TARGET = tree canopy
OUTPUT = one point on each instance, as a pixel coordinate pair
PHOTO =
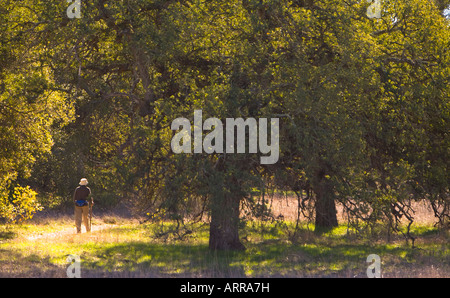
(363, 105)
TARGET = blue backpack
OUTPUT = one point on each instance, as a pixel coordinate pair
(81, 203)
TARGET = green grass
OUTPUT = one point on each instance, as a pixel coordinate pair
(132, 250)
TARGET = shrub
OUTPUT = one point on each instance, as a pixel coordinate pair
(18, 204)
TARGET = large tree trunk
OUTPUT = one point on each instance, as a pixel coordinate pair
(224, 227)
(325, 203)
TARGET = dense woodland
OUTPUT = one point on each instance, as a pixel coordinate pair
(363, 106)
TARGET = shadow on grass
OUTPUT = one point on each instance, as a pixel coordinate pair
(269, 254)
(7, 235)
(165, 260)
(330, 254)
(263, 259)
(15, 265)
(259, 260)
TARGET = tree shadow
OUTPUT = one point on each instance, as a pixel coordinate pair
(7, 235)
(320, 230)
(177, 260)
(16, 265)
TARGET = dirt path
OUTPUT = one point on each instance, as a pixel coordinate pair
(69, 231)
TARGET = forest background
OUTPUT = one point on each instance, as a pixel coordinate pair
(363, 107)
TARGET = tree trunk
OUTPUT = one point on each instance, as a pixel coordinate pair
(224, 227)
(325, 205)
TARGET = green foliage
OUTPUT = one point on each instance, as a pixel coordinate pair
(19, 205)
(32, 108)
(363, 103)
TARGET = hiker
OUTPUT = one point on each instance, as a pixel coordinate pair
(80, 199)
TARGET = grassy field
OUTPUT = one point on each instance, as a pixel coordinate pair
(124, 248)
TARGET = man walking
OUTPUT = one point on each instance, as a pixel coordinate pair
(80, 199)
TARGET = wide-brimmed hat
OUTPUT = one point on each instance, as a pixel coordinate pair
(83, 181)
